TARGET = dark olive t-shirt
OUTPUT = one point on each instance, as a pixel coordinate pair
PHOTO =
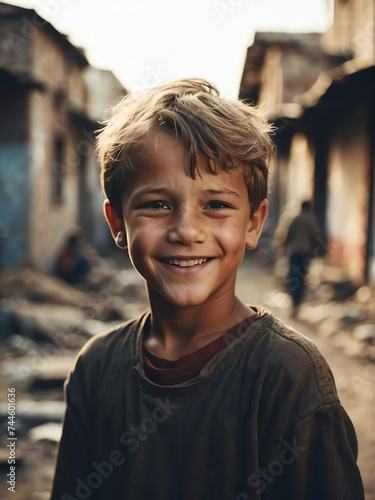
(261, 421)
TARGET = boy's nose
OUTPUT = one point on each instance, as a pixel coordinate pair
(187, 228)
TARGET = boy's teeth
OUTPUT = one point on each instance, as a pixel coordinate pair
(186, 263)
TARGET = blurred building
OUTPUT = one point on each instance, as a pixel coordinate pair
(103, 91)
(325, 136)
(279, 67)
(48, 168)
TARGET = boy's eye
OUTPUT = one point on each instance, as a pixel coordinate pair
(216, 205)
(155, 205)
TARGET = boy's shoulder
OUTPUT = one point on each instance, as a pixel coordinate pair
(104, 348)
(287, 358)
(115, 334)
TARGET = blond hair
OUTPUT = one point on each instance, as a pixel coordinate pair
(225, 133)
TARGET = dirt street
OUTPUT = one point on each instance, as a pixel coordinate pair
(256, 284)
(355, 377)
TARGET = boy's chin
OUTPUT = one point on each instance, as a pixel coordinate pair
(180, 302)
(177, 299)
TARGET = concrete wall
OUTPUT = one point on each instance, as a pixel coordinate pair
(13, 116)
(52, 218)
(77, 86)
(271, 89)
(14, 176)
(15, 46)
(14, 197)
(301, 69)
(348, 193)
(48, 171)
(353, 29)
(289, 71)
(300, 172)
(103, 92)
(100, 236)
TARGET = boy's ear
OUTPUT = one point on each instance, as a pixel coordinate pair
(116, 225)
(255, 225)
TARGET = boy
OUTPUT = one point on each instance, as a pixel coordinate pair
(202, 397)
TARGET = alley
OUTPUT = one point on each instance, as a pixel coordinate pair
(256, 284)
(355, 377)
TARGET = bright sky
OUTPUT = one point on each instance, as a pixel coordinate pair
(146, 42)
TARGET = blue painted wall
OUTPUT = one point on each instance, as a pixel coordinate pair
(14, 203)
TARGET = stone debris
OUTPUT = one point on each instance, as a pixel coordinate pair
(52, 322)
(52, 372)
(349, 345)
(46, 432)
(315, 313)
(364, 295)
(330, 327)
(354, 314)
(45, 369)
(338, 307)
(40, 321)
(341, 309)
(4, 456)
(365, 333)
(48, 321)
(20, 345)
(343, 290)
(28, 283)
(28, 295)
(33, 413)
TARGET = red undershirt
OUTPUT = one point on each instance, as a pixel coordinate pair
(165, 372)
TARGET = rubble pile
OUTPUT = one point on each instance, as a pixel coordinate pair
(43, 323)
(342, 310)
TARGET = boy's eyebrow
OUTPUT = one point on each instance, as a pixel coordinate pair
(215, 192)
(150, 190)
(163, 190)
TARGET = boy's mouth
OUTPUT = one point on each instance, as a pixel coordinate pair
(186, 262)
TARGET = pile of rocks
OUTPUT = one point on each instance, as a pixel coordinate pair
(43, 323)
(341, 309)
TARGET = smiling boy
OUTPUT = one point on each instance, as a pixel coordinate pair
(202, 396)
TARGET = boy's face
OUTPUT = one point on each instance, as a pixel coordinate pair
(185, 236)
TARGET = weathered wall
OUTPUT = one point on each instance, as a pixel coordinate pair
(14, 210)
(300, 173)
(353, 29)
(15, 47)
(14, 176)
(13, 116)
(348, 190)
(77, 86)
(51, 218)
(48, 62)
(301, 69)
(271, 89)
(289, 69)
(103, 92)
(100, 236)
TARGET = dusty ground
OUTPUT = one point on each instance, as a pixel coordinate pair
(355, 379)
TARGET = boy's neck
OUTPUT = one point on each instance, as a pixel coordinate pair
(177, 331)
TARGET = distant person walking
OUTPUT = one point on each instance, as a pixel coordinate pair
(300, 243)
